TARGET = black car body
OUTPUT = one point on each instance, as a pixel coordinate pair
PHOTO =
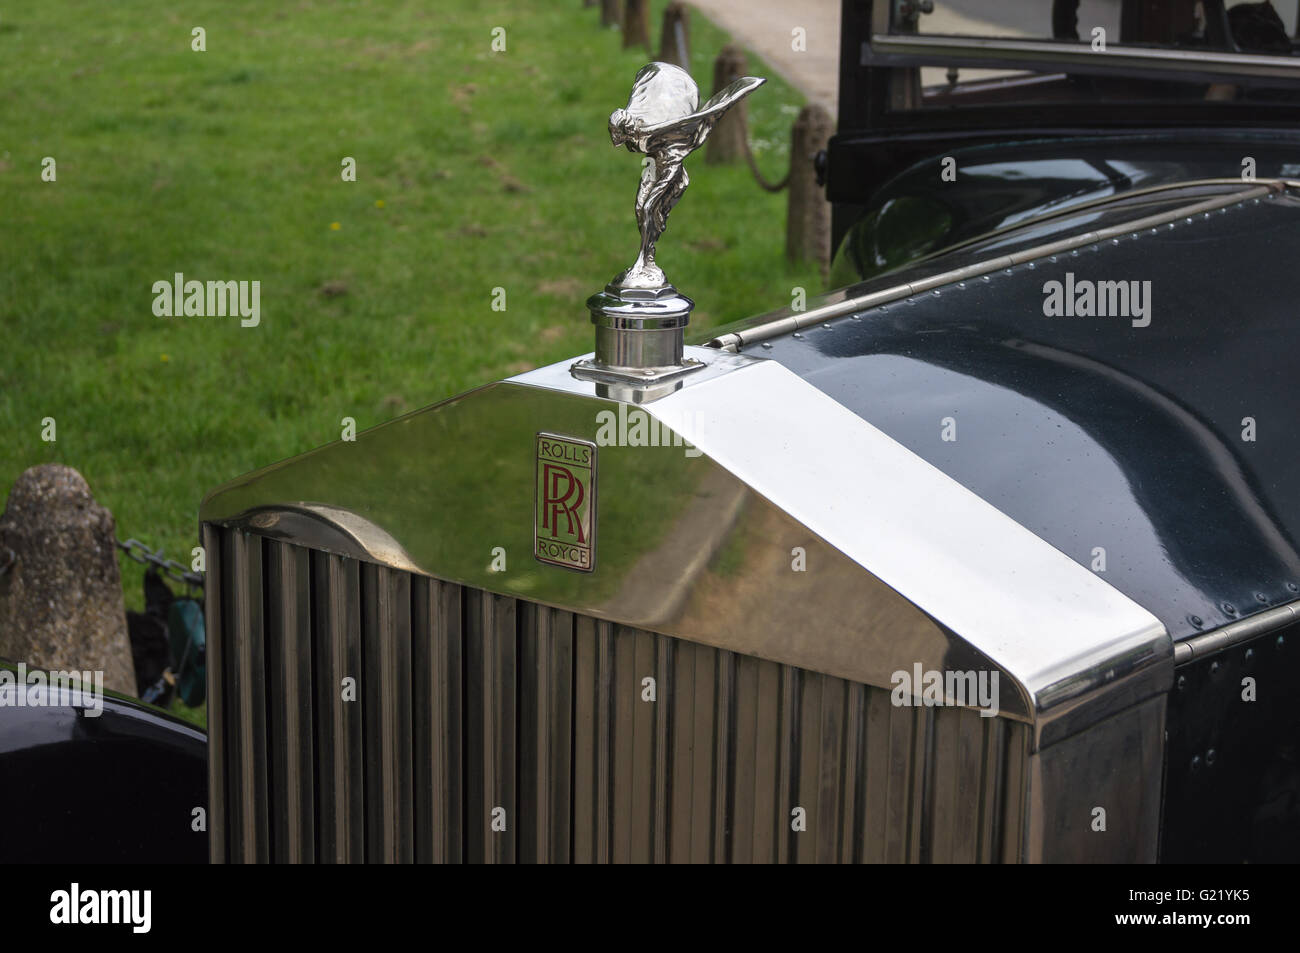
(95, 777)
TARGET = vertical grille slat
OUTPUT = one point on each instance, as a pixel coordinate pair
(340, 805)
(967, 794)
(630, 840)
(767, 830)
(545, 743)
(854, 769)
(288, 635)
(359, 712)
(585, 697)
(889, 800)
(386, 714)
(945, 820)
(831, 777)
(787, 755)
(604, 747)
(491, 818)
(921, 739)
(808, 770)
(665, 650)
(215, 663)
(746, 791)
(701, 744)
(991, 794)
(680, 694)
(723, 750)
(246, 699)
(436, 647)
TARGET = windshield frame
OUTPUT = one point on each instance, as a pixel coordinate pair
(1048, 56)
(879, 65)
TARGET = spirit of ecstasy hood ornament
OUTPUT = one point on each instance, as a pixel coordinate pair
(640, 318)
(663, 120)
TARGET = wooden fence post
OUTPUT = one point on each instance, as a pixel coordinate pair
(636, 24)
(727, 142)
(674, 38)
(808, 214)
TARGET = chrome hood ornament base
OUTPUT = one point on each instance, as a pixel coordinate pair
(640, 317)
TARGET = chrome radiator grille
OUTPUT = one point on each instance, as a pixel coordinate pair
(468, 712)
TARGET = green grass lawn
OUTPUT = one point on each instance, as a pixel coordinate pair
(475, 170)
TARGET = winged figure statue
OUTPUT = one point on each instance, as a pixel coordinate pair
(664, 121)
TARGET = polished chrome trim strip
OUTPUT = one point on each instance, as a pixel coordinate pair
(885, 49)
(1244, 630)
(736, 340)
(1075, 644)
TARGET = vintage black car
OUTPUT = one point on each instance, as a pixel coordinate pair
(989, 555)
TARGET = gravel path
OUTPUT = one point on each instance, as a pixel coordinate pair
(766, 27)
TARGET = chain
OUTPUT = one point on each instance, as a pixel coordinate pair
(171, 568)
(137, 551)
(763, 184)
